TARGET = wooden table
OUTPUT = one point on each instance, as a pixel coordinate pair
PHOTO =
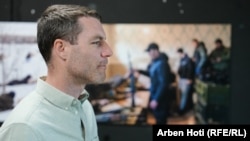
(122, 111)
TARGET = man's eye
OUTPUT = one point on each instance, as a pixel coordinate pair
(96, 43)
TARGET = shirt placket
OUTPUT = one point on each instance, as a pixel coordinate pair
(75, 110)
(80, 113)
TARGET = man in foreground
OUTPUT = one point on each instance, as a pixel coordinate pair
(72, 42)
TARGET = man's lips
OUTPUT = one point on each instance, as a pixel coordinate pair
(103, 64)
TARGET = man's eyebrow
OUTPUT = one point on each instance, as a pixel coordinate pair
(99, 37)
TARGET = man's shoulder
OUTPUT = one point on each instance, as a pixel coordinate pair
(22, 112)
(160, 62)
(19, 131)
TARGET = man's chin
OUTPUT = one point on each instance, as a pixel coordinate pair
(99, 80)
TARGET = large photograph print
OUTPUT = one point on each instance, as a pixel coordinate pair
(121, 99)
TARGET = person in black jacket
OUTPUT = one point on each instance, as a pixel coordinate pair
(186, 72)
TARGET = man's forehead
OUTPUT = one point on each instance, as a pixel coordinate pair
(92, 26)
(90, 22)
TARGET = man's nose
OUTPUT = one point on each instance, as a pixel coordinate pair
(107, 52)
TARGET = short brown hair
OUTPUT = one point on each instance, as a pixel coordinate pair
(60, 22)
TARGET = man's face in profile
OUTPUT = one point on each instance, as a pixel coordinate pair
(89, 57)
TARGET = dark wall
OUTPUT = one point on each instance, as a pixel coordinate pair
(240, 98)
(126, 133)
(5, 10)
(122, 11)
(236, 12)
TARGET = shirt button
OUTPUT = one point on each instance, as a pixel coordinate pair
(76, 112)
(74, 102)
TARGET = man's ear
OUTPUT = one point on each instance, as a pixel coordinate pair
(60, 48)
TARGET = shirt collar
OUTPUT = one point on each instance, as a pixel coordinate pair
(56, 96)
(83, 96)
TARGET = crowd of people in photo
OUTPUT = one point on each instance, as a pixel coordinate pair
(208, 67)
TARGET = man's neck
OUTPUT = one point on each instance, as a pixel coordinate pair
(65, 85)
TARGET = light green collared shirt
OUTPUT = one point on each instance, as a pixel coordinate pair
(48, 114)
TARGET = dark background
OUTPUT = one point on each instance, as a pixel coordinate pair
(235, 12)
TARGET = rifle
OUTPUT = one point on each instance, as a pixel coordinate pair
(132, 82)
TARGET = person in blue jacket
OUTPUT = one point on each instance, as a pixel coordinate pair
(159, 72)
